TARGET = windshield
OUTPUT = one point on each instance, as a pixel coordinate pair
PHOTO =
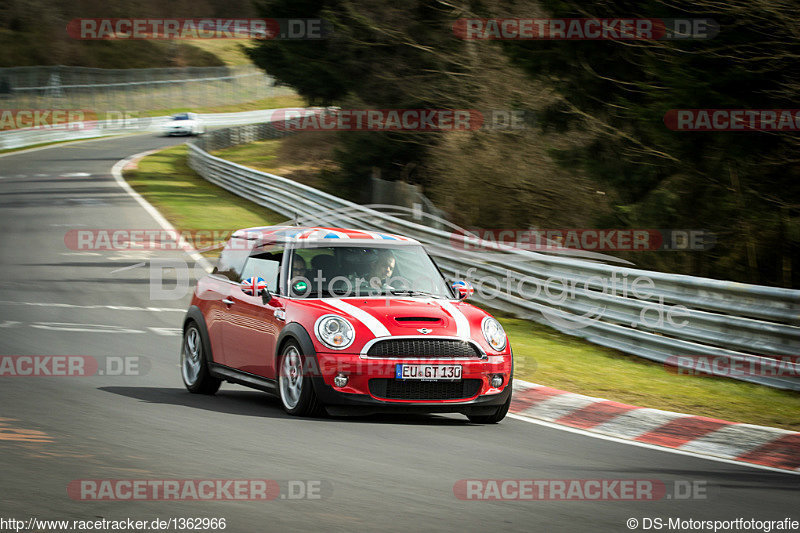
(181, 116)
(341, 271)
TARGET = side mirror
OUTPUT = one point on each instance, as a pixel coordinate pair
(266, 296)
(256, 286)
(463, 289)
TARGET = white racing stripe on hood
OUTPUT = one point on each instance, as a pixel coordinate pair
(374, 325)
(462, 324)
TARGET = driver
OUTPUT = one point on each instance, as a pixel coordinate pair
(382, 270)
(298, 267)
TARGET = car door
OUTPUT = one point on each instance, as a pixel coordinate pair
(253, 326)
(217, 290)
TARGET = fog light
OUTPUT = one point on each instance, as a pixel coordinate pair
(340, 380)
(497, 381)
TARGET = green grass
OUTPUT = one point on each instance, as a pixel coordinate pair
(273, 102)
(190, 202)
(301, 157)
(551, 358)
(261, 155)
(229, 51)
(543, 355)
(48, 44)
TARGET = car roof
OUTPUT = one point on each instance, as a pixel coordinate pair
(307, 234)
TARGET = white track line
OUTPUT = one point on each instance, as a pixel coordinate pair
(116, 171)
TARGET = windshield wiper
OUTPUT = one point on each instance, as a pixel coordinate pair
(409, 292)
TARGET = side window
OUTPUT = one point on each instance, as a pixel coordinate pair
(312, 262)
(232, 259)
(265, 263)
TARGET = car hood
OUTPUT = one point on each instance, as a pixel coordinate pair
(380, 317)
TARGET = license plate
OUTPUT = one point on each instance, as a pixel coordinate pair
(428, 372)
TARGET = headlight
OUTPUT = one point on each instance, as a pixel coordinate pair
(493, 333)
(334, 332)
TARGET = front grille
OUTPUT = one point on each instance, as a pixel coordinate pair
(423, 348)
(394, 389)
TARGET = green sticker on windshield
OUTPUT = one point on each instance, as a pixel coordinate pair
(300, 286)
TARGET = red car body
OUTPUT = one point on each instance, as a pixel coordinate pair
(244, 336)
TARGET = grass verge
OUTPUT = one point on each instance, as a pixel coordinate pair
(297, 157)
(272, 102)
(568, 363)
(543, 355)
(188, 201)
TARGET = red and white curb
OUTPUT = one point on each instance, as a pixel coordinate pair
(758, 445)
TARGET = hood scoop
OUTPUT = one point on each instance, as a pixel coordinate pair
(417, 321)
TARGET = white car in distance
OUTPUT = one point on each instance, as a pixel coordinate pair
(183, 124)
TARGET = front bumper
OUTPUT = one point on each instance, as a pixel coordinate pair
(358, 392)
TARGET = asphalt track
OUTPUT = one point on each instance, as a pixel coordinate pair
(382, 473)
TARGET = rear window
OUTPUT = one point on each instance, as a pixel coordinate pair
(265, 263)
(232, 259)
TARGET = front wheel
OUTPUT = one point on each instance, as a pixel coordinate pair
(194, 363)
(296, 390)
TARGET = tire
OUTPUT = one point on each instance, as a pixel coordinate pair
(194, 362)
(497, 416)
(295, 390)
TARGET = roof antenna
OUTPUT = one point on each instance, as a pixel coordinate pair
(294, 221)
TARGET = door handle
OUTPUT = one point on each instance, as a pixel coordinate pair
(226, 301)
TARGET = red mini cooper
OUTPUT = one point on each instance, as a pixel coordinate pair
(336, 320)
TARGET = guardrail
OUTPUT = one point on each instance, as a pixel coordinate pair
(748, 331)
(20, 138)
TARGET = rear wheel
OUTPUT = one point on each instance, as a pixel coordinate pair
(296, 390)
(194, 363)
